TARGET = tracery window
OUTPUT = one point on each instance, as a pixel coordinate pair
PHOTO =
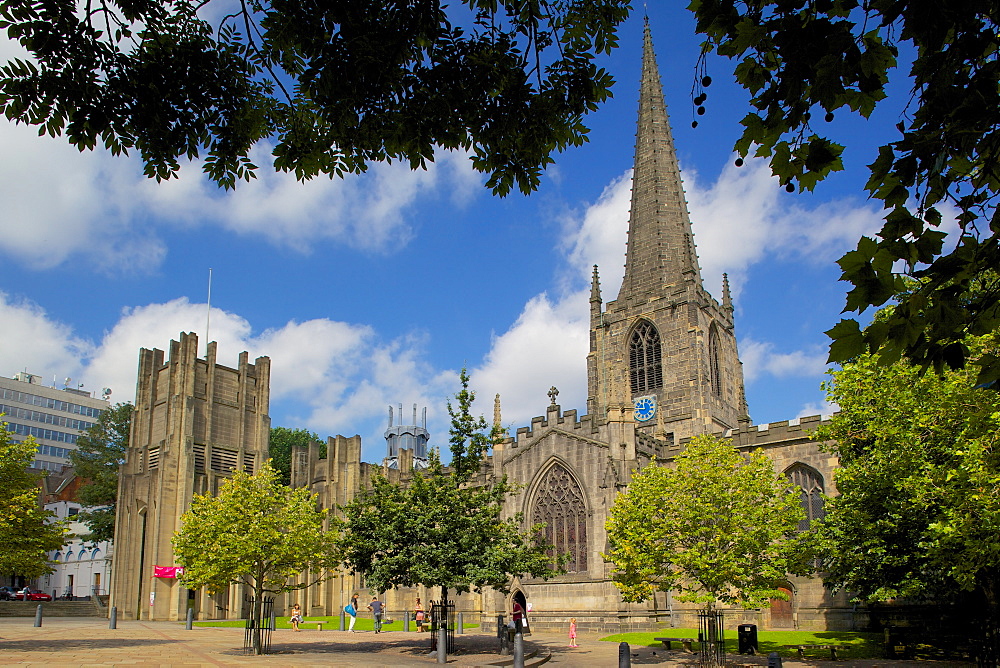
(560, 506)
(810, 484)
(645, 369)
(714, 370)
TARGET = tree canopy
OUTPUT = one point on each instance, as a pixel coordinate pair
(336, 85)
(718, 527)
(279, 448)
(29, 531)
(259, 533)
(445, 527)
(803, 61)
(918, 515)
(99, 452)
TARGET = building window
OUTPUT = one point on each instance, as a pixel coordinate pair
(714, 369)
(810, 484)
(559, 505)
(645, 369)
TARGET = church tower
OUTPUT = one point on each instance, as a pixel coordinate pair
(664, 348)
(195, 422)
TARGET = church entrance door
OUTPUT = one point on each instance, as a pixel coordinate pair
(781, 611)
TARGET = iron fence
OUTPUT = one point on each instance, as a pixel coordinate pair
(711, 639)
(443, 613)
(261, 634)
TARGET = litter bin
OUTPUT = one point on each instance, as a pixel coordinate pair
(747, 636)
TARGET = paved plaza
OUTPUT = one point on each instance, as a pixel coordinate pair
(89, 642)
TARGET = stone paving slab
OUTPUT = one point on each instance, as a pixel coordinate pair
(82, 642)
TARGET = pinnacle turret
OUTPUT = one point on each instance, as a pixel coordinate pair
(660, 242)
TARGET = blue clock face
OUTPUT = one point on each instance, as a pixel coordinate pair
(645, 408)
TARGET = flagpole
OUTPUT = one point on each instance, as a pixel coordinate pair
(208, 312)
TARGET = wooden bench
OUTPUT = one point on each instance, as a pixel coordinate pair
(685, 642)
(802, 649)
(319, 623)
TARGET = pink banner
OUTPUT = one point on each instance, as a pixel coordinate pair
(168, 571)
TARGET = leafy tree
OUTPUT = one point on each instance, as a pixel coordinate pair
(257, 533)
(99, 452)
(29, 531)
(804, 60)
(444, 528)
(918, 514)
(718, 527)
(280, 447)
(338, 85)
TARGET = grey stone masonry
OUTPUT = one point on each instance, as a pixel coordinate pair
(702, 384)
(195, 422)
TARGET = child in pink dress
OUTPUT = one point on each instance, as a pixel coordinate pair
(572, 633)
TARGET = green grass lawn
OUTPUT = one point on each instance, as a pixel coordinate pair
(859, 645)
(332, 624)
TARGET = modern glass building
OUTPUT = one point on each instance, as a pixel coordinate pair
(54, 416)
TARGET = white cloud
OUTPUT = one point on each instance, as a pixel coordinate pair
(546, 346)
(744, 216)
(824, 408)
(61, 204)
(760, 358)
(31, 341)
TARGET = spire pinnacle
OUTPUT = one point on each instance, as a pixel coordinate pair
(727, 300)
(660, 241)
(595, 287)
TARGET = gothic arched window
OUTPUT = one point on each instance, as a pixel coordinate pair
(645, 369)
(559, 505)
(714, 370)
(810, 484)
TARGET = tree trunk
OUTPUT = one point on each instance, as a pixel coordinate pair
(258, 603)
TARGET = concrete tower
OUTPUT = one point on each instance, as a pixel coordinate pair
(664, 348)
(195, 422)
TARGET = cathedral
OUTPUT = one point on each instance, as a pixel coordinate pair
(663, 367)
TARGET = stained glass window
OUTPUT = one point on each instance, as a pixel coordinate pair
(560, 506)
(645, 369)
(714, 370)
(810, 484)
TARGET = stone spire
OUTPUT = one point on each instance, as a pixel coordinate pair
(595, 288)
(660, 241)
(727, 298)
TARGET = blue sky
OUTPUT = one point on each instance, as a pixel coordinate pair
(376, 289)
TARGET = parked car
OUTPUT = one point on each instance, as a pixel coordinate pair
(33, 595)
(7, 593)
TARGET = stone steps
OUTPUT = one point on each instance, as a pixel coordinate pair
(50, 609)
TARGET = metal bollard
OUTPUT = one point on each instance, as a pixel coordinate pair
(406, 621)
(518, 650)
(38, 613)
(274, 621)
(624, 658)
(113, 624)
(461, 622)
(342, 615)
(190, 619)
(442, 644)
(774, 660)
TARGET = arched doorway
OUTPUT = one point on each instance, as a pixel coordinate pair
(519, 598)
(781, 610)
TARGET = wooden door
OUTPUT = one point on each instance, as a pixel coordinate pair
(781, 610)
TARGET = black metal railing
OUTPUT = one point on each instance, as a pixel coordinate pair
(711, 638)
(443, 614)
(257, 640)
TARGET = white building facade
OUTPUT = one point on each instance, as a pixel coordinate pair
(81, 569)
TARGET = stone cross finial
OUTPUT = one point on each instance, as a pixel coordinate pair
(553, 393)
